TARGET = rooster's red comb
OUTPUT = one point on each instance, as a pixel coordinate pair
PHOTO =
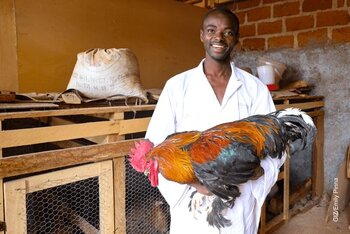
(137, 155)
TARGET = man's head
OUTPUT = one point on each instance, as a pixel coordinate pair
(219, 33)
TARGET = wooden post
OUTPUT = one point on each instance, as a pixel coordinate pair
(286, 189)
(119, 182)
(262, 229)
(2, 208)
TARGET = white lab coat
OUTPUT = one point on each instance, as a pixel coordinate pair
(188, 102)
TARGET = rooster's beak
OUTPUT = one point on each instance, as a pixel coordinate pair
(146, 172)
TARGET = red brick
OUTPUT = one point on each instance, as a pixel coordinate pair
(248, 4)
(280, 42)
(341, 34)
(259, 14)
(331, 18)
(270, 27)
(241, 16)
(299, 23)
(247, 30)
(254, 44)
(286, 9)
(312, 37)
(314, 5)
(340, 3)
(348, 3)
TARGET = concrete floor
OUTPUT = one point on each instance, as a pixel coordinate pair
(313, 221)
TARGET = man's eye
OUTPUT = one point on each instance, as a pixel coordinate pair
(228, 34)
(210, 31)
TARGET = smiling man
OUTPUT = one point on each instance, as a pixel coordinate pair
(214, 92)
(219, 34)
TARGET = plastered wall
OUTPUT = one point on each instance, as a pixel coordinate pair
(8, 42)
(326, 68)
(164, 35)
(312, 38)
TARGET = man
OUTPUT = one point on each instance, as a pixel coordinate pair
(214, 92)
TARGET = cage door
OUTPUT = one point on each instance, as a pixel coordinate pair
(75, 200)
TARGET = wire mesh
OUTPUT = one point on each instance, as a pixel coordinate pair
(146, 210)
(70, 208)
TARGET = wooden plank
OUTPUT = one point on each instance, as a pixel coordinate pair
(18, 137)
(299, 98)
(15, 207)
(286, 188)
(8, 46)
(317, 157)
(96, 139)
(30, 105)
(280, 176)
(133, 125)
(42, 161)
(74, 111)
(276, 203)
(275, 222)
(303, 106)
(119, 183)
(120, 195)
(315, 113)
(192, 1)
(262, 228)
(348, 162)
(106, 195)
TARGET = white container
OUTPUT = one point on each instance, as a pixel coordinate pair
(266, 74)
(279, 67)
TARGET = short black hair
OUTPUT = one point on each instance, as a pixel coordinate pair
(227, 12)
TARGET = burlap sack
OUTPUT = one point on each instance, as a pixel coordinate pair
(101, 73)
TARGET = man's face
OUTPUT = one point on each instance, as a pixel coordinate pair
(218, 36)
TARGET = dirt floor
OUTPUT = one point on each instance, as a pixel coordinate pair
(313, 221)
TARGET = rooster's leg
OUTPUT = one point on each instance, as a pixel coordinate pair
(195, 203)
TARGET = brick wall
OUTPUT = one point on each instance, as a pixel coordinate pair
(271, 24)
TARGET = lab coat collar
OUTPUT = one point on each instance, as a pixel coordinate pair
(233, 85)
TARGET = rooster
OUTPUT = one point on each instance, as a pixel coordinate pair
(224, 156)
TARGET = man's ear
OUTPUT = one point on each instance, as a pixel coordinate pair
(201, 34)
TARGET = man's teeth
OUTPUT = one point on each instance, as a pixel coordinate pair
(218, 46)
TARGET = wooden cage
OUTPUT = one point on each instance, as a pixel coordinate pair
(42, 148)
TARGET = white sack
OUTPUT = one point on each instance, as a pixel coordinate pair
(101, 73)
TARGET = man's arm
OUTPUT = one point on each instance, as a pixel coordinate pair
(162, 124)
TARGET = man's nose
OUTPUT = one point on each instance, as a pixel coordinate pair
(219, 35)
